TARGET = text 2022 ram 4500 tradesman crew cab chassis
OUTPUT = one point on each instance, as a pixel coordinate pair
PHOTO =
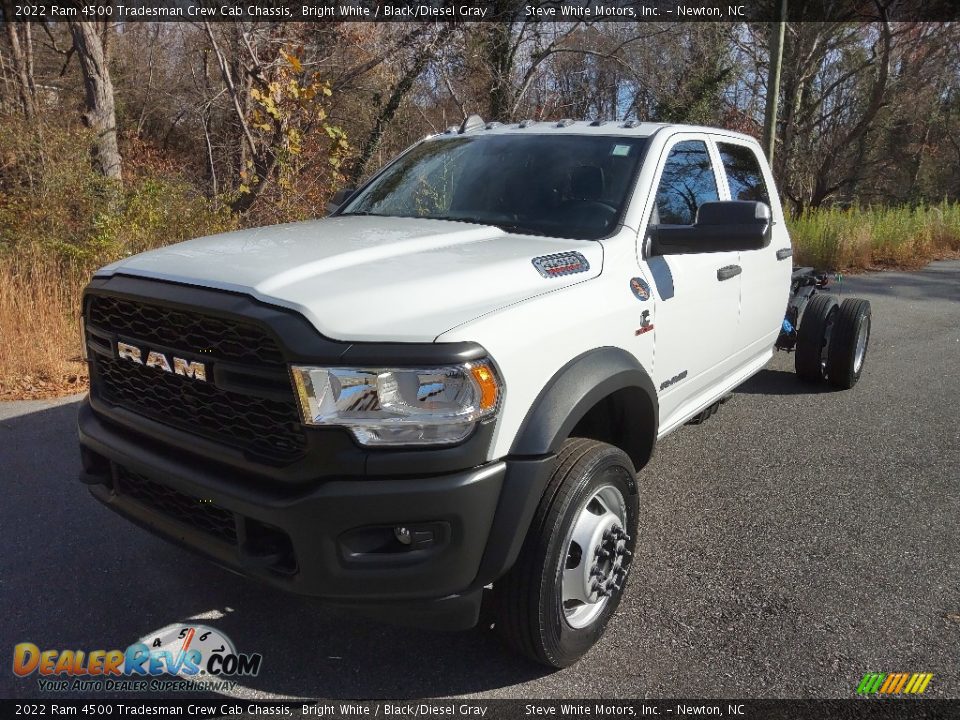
(453, 380)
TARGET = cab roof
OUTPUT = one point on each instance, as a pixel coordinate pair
(474, 125)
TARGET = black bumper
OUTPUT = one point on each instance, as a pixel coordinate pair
(332, 539)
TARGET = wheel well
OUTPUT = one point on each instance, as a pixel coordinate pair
(626, 419)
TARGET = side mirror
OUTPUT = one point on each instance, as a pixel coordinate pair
(339, 198)
(719, 227)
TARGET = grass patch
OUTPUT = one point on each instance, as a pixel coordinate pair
(873, 238)
(39, 327)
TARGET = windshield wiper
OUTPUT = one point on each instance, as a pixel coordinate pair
(505, 226)
(454, 218)
(518, 229)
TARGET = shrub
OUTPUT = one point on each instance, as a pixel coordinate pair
(51, 199)
(854, 239)
(58, 222)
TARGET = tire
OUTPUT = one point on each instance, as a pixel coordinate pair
(591, 498)
(848, 343)
(813, 338)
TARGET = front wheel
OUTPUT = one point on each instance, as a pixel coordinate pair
(568, 580)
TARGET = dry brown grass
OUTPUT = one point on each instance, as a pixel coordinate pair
(876, 238)
(39, 328)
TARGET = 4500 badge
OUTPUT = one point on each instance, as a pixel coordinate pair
(187, 651)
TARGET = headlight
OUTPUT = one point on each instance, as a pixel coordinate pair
(399, 406)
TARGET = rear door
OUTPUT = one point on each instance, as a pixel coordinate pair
(766, 272)
(696, 306)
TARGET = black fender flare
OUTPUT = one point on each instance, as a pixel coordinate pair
(574, 390)
(562, 403)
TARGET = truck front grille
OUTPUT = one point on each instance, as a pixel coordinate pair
(224, 339)
(199, 514)
(265, 428)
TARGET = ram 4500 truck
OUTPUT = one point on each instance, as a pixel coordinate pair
(452, 381)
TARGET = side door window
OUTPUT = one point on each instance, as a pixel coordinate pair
(696, 312)
(763, 289)
(687, 182)
(744, 176)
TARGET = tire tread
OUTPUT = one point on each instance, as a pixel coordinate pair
(810, 337)
(841, 355)
(510, 611)
(519, 620)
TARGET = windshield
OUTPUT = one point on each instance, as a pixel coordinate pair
(571, 186)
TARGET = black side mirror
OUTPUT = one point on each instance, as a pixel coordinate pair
(339, 198)
(719, 227)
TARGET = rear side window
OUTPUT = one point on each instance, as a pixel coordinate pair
(744, 175)
(687, 182)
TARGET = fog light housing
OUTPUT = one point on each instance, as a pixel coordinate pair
(402, 534)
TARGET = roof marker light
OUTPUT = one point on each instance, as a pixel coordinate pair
(474, 122)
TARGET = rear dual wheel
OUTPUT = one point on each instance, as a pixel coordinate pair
(813, 338)
(832, 341)
(555, 602)
(848, 343)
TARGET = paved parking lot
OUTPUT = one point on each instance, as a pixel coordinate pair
(800, 538)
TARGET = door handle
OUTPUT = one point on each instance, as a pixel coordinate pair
(728, 271)
(784, 253)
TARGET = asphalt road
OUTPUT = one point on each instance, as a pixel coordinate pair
(797, 540)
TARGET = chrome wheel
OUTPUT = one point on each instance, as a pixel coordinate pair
(594, 566)
(861, 350)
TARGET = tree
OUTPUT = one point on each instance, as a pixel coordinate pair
(777, 30)
(21, 54)
(91, 43)
(425, 52)
(278, 105)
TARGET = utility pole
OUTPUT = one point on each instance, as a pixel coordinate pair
(777, 28)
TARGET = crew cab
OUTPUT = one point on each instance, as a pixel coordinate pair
(449, 387)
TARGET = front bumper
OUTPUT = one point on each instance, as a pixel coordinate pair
(333, 539)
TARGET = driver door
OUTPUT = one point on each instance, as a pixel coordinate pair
(697, 293)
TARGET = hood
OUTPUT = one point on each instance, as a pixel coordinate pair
(366, 278)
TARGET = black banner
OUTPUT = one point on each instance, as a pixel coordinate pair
(853, 709)
(477, 10)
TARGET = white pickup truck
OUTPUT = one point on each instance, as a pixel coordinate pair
(453, 381)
